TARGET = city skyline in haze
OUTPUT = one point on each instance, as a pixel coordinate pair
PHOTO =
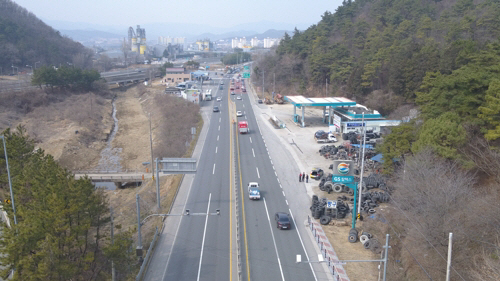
(195, 16)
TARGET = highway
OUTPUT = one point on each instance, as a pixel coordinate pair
(204, 247)
(271, 251)
(201, 248)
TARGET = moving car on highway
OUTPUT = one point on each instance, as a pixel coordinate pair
(216, 109)
(253, 191)
(282, 220)
(239, 113)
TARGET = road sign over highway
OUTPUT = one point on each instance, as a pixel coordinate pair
(246, 74)
(246, 67)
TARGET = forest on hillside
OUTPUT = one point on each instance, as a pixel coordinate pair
(381, 49)
(26, 40)
(441, 57)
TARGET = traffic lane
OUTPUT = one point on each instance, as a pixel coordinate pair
(261, 254)
(187, 250)
(288, 242)
(280, 204)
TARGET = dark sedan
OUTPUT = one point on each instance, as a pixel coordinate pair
(282, 220)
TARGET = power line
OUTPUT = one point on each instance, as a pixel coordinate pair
(397, 235)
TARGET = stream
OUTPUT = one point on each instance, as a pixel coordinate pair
(110, 156)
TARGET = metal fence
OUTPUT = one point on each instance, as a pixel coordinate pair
(148, 255)
(336, 269)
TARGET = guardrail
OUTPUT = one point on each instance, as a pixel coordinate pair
(331, 258)
(148, 255)
(106, 172)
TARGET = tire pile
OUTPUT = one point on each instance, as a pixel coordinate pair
(374, 181)
(351, 136)
(327, 150)
(370, 200)
(319, 210)
(370, 243)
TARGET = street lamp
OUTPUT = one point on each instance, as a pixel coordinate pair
(10, 182)
(36, 63)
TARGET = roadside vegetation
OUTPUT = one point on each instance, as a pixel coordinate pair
(237, 57)
(63, 224)
(443, 59)
(72, 78)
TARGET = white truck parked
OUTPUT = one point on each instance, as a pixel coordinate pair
(326, 138)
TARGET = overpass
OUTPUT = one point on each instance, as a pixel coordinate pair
(113, 176)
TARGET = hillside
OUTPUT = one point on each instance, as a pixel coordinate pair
(24, 40)
(382, 47)
(443, 58)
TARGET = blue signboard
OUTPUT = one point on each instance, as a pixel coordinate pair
(342, 179)
(351, 125)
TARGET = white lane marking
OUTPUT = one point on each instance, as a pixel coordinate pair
(278, 180)
(269, 155)
(216, 149)
(253, 152)
(263, 140)
(265, 145)
(303, 247)
(250, 139)
(213, 170)
(217, 138)
(178, 226)
(272, 162)
(286, 202)
(283, 193)
(220, 119)
(273, 168)
(281, 186)
(275, 173)
(204, 233)
(243, 105)
(258, 175)
(274, 241)
(219, 127)
(245, 117)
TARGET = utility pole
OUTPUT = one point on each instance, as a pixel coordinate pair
(139, 238)
(263, 73)
(157, 186)
(360, 187)
(151, 144)
(113, 273)
(274, 83)
(10, 182)
(448, 266)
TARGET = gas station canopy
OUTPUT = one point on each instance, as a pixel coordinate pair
(330, 101)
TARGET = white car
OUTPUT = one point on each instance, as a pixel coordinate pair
(219, 98)
(238, 98)
(239, 113)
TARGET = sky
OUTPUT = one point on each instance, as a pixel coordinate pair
(216, 13)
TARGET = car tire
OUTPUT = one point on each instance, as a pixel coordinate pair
(324, 220)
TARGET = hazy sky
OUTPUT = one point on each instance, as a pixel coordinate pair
(217, 13)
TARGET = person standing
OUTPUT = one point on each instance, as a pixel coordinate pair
(303, 176)
(300, 177)
(307, 178)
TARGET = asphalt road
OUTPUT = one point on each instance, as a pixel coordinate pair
(203, 247)
(271, 251)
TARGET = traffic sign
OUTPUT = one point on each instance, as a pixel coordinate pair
(331, 204)
(246, 67)
(246, 74)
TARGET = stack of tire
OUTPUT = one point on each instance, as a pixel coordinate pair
(371, 200)
(374, 181)
(328, 149)
(319, 210)
(318, 206)
(370, 243)
(353, 235)
(351, 137)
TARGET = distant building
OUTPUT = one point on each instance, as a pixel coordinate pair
(270, 42)
(176, 75)
(204, 45)
(254, 42)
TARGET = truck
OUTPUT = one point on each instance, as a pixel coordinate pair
(208, 95)
(326, 138)
(253, 191)
(243, 127)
